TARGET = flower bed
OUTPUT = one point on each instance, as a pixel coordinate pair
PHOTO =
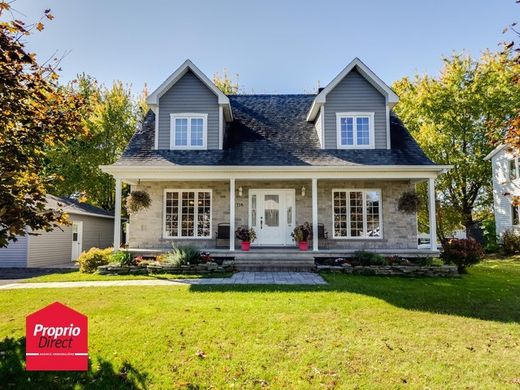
(152, 268)
(392, 270)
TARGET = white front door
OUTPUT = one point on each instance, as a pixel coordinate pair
(77, 239)
(271, 214)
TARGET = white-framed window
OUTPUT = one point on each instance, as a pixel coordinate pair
(355, 130)
(513, 169)
(357, 213)
(188, 131)
(187, 213)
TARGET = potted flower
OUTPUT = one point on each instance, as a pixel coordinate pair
(247, 236)
(302, 234)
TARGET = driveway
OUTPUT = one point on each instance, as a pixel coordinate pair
(13, 275)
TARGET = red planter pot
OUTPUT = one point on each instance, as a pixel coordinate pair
(246, 245)
(304, 245)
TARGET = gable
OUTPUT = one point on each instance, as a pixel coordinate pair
(354, 93)
(188, 95)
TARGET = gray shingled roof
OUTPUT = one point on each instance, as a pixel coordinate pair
(271, 130)
(73, 206)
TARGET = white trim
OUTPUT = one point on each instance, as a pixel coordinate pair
(195, 213)
(363, 191)
(322, 120)
(220, 127)
(388, 143)
(495, 151)
(117, 215)
(354, 116)
(432, 217)
(131, 174)
(232, 214)
(315, 243)
(74, 212)
(153, 98)
(156, 139)
(189, 116)
(365, 71)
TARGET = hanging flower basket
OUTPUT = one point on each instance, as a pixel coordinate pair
(137, 200)
(409, 202)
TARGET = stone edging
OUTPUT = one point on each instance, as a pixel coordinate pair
(393, 270)
(205, 268)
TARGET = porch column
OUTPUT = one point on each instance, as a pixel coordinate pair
(231, 214)
(314, 214)
(117, 216)
(432, 215)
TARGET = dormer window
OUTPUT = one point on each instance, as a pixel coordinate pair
(188, 131)
(355, 130)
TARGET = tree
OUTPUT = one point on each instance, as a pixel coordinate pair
(226, 84)
(451, 116)
(111, 117)
(512, 52)
(35, 114)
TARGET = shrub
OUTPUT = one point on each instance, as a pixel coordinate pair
(183, 255)
(302, 233)
(123, 258)
(461, 252)
(490, 236)
(369, 258)
(137, 200)
(510, 242)
(93, 258)
(422, 261)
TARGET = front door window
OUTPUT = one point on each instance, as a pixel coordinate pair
(272, 210)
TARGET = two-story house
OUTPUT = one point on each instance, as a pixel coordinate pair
(506, 187)
(339, 159)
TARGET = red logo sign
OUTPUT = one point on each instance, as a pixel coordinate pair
(56, 339)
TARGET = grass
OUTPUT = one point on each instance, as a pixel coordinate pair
(366, 332)
(76, 276)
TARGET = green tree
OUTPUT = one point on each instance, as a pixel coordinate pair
(226, 84)
(452, 115)
(35, 114)
(111, 117)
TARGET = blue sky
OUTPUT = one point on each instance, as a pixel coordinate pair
(276, 46)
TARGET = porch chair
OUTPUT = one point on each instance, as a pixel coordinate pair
(222, 232)
(323, 235)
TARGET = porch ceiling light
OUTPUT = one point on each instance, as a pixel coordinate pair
(303, 191)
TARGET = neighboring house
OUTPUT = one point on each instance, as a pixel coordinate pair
(506, 185)
(90, 227)
(339, 159)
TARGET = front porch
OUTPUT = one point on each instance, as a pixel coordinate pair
(357, 209)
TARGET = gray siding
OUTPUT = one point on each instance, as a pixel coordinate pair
(15, 254)
(50, 248)
(355, 93)
(188, 95)
(54, 248)
(97, 232)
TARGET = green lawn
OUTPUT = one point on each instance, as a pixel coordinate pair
(369, 332)
(76, 276)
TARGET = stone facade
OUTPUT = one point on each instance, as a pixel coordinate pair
(399, 229)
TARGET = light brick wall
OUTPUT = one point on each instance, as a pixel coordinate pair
(399, 230)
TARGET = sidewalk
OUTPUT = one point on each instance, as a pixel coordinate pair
(239, 278)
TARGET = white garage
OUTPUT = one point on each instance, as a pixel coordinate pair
(91, 227)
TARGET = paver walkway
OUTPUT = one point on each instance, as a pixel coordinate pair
(289, 278)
